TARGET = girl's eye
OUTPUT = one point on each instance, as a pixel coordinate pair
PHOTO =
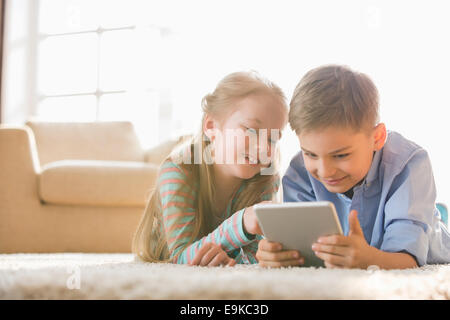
(250, 130)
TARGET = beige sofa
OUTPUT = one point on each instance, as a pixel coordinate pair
(73, 187)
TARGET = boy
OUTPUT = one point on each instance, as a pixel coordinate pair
(381, 183)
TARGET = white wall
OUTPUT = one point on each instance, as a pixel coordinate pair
(402, 45)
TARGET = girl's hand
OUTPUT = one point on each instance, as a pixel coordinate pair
(270, 254)
(250, 221)
(212, 255)
(350, 251)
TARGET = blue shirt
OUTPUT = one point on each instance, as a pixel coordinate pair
(395, 202)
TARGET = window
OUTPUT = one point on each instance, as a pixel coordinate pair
(95, 61)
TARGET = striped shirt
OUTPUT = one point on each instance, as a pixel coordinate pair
(178, 214)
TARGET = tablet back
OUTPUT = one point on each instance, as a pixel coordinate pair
(297, 225)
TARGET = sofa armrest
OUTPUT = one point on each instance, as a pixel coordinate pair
(18, 149)
(19, 165)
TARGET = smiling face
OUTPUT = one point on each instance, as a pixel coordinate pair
(340, 158)
(245, 139)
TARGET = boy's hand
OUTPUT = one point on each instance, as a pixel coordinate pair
(212, 255)
(270, 254)
(350, 251)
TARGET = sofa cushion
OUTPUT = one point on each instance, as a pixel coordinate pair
(111, 141)
(97, 183)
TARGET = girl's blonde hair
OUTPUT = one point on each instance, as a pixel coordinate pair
(149, 241)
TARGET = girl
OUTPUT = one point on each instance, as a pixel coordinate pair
(201, 212)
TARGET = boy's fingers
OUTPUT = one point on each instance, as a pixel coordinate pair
(278, 256)
(331, 258)
(336, 250)
(335, 240)
(280, 264)
(266, 245)
(355, 226)
(331, 266)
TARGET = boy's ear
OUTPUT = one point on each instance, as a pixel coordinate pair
(380, 135)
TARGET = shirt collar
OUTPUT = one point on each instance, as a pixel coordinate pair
(372, 175)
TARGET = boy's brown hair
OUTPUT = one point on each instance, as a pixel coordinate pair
(334, 95)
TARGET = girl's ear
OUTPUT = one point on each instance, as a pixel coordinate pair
(380, 135)
(209, 127)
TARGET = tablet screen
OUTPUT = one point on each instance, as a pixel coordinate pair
(297, 225)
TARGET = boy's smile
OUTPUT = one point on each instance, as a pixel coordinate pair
(334, 181)
(340, 157)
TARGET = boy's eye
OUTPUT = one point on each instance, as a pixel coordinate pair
(311, 155)
(341, 156)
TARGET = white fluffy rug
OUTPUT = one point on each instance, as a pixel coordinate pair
(118, 276)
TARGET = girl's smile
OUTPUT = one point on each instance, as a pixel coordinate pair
(241, 147)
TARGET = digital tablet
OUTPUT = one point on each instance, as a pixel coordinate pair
(297, 225)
